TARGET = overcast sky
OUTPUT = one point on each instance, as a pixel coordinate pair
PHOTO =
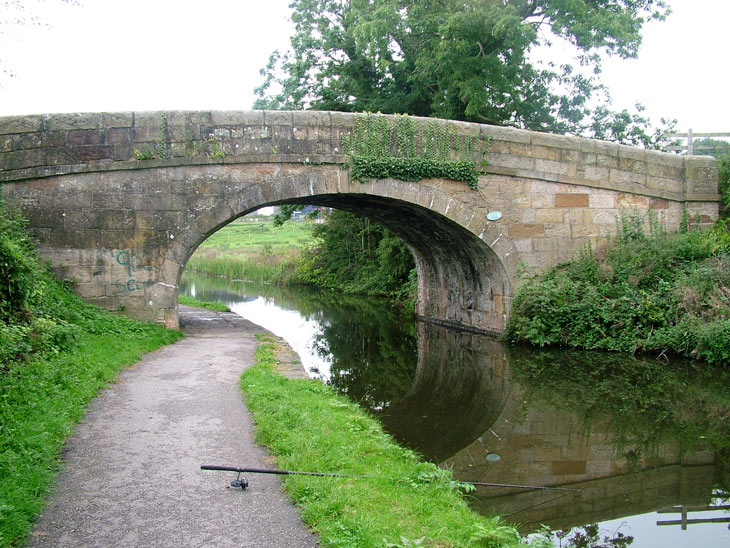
(108, 55)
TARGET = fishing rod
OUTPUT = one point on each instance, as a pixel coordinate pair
(243, 482)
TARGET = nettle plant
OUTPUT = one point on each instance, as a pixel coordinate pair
(400, 147)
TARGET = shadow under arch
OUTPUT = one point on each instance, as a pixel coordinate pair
(464, 281)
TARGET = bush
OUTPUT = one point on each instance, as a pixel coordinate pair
(656, 293)
(19, 266)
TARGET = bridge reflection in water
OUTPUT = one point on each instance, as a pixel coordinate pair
(465, 401)
(465, 411)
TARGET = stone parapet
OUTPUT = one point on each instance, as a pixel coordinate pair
(58, 144)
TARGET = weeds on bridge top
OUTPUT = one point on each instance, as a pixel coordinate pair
(400, 147)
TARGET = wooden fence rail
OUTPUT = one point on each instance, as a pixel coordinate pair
(690, 147)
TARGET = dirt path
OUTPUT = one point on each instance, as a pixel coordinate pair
(132, 476)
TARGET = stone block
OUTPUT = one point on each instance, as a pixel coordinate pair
(572, 200)
(557, 141)
(117, 119)
(523, 245)
(601, 201)
(85, 137)
(558, 168)
(77, 219)
(604, 160)
(606, 148)
(667, 171)
(631, 201)
(511, 161)
(569, 468)
(20, 159)
(232, 117)
(85, 153)
(603, 217)
(148, 119)
(620, 179)
(499, 133)
(701, 176)
(342, 119)
(311, 118)
(278, 118)
(71, 121)
(542, 152)
(632, 153)
(574, 215)
(115, 136)
(20, 124)
(529, 215)
(549, 216)
(523, 231)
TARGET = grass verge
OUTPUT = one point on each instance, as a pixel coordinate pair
(311, 428)
(190, 301)
(41, 400)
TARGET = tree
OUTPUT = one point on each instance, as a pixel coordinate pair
(355, 255)
(460, 60)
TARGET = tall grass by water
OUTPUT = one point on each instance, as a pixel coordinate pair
(242, 268)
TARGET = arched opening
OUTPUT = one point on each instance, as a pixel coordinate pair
(463, 281)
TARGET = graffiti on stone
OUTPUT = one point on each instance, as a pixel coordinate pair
(125, 258)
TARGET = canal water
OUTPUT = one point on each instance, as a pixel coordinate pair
(642, 448)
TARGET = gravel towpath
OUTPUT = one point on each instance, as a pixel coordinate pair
(132, 473)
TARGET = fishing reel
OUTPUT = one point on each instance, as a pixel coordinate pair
(239, 482)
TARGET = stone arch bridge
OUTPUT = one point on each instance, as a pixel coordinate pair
(118, 202)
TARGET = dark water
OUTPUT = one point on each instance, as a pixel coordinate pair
(642, 441)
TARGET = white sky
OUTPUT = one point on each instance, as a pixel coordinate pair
(109, 55)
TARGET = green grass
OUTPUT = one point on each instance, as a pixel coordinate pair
(260, 237)
(254, 251)
(41, 400)
(190, 301)
(311, 428)
(242, 268)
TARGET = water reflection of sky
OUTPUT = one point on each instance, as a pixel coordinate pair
(290, 325)
(647, 534)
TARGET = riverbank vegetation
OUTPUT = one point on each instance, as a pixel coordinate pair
(355, 255)
(56, 353)
(645, 290)
(253, 250)
(406, 502)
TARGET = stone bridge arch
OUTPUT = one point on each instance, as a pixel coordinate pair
(466, 265)
(118, 201)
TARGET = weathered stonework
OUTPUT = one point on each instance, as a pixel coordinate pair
(123, 228)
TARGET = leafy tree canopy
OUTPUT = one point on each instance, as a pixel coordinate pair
(464, 60)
